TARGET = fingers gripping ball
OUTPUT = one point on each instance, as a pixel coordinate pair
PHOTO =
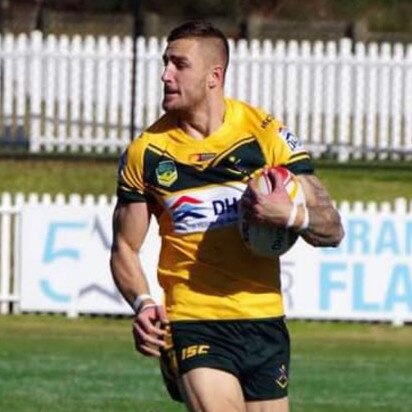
(268, 240)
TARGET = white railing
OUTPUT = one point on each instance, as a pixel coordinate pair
(54, 254)
(74, 94)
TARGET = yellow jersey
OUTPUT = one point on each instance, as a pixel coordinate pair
(193, 188)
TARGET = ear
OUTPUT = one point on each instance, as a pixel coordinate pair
(215, 77)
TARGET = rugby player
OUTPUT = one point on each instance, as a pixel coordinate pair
(220, 332)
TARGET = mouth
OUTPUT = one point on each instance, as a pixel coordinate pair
(170, 92)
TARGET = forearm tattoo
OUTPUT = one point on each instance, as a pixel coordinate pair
(325, 228)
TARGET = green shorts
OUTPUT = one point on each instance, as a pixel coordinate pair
(257, 352)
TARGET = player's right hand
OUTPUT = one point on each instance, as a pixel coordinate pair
(274, 207)
(149, 329)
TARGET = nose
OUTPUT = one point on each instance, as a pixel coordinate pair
(166, 75)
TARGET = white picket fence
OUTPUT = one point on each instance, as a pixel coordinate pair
(74, 94)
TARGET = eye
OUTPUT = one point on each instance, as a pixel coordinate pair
(181, 65)
(180, 62)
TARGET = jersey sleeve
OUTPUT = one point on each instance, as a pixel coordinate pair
(290, 152)
(279, 145)
(130, 184)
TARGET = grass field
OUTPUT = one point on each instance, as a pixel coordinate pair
(353, 181)
(50, 363)
(53, 364)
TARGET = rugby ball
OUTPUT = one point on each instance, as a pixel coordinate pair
(263, 239)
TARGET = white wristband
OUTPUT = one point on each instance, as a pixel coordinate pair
(292, 216)
(305, 223)
(137, 303)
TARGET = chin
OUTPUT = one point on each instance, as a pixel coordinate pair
(168, 106)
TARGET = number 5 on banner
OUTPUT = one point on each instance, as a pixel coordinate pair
(52, 252)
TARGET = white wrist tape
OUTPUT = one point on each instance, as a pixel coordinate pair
(292, 216)
(137, 303)
(305, 223)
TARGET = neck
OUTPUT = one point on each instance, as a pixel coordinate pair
(203, 122)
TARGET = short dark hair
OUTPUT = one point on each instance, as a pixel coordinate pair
(201, 29)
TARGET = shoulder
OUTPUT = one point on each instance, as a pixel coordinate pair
(154, 134)
(278, 143)
(254, 116)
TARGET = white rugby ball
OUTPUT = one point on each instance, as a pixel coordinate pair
(263, 239)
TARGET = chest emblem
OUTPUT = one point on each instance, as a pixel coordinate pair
(166, 173)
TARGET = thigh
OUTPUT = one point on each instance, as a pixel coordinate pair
(274, 405)
(212, 390)
(198, 350)
(207, 357)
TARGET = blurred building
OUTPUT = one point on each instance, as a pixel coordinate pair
(270, 19)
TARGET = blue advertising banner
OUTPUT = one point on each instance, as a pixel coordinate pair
(65, 260)
(65, 266)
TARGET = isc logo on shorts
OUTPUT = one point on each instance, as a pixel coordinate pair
(194, 350)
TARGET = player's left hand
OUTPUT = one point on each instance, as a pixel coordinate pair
(149, 329)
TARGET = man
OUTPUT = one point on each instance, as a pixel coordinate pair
(221, 335)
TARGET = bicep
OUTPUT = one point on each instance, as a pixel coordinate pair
(130, 225)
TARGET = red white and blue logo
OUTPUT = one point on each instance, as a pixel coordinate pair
(205, 209)
(187, 207)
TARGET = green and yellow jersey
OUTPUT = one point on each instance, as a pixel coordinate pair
(193, 188)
